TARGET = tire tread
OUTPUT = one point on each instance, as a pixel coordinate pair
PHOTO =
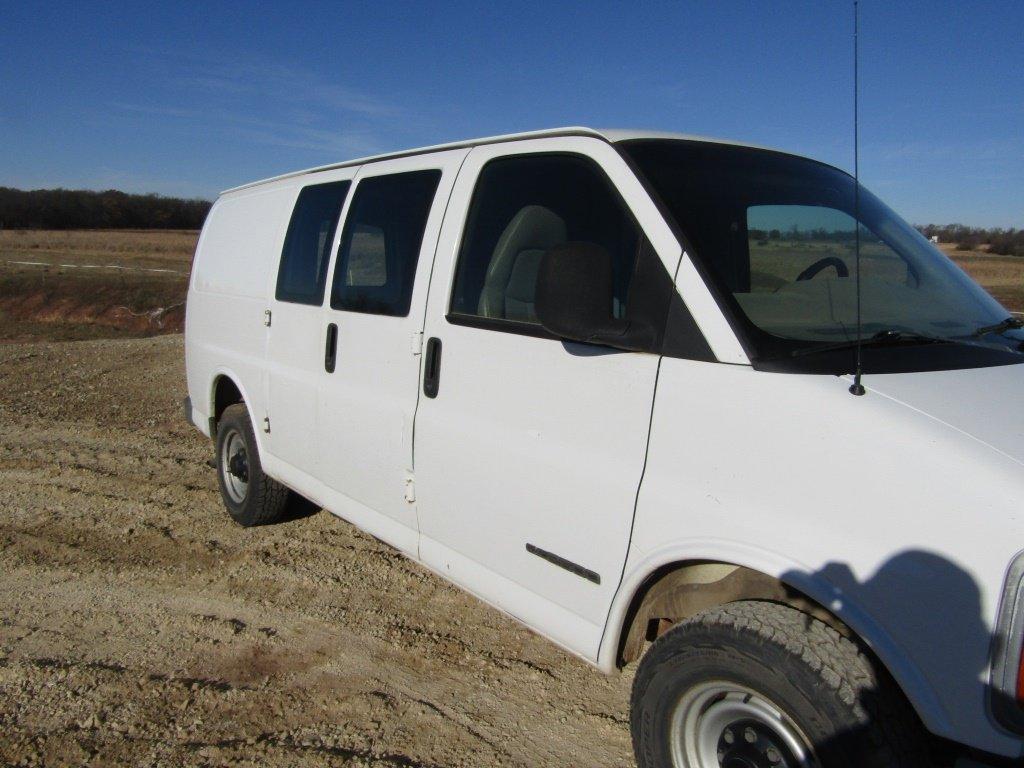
(892, 728)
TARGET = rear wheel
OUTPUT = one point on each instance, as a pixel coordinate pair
(250, 496)
(761, 685)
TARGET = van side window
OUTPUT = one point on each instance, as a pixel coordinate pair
(307, 246)
(380, 244)
(523, 206)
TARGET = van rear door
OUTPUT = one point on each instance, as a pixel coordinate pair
(372, 325)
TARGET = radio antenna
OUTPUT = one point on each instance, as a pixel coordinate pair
(856, 388)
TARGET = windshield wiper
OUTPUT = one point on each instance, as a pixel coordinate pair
(1006, 325)
(880, 339)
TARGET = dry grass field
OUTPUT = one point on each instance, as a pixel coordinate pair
(1002, 276)
(72, 285)
(171, 249)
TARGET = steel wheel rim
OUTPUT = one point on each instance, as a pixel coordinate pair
(234, 467)
(762, 735)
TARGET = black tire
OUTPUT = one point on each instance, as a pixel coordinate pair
(263, 500)
(847, 712)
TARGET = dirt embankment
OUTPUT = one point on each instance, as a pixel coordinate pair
(92, 284)
(139, 626)
(56, 305)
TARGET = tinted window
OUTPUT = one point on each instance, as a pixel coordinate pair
(792, 243)
(367, 260)
(524, 206)
(776, 236)
(380, 244)
(307, 245)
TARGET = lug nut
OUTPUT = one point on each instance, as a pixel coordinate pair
(773, 755)
(749, 735)
(729, 736)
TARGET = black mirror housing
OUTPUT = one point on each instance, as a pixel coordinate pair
(575, 286)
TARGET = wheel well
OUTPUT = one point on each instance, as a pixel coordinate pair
(225, 393)
(675, 592)
(680, 590)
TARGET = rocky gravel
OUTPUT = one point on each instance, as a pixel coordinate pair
(140, 626)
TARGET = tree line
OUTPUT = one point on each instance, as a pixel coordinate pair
(112, 209)
(1008, 242)
(795, 233)
(84, 209)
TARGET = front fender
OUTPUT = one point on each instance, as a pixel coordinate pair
(816, 586)
(900, 525)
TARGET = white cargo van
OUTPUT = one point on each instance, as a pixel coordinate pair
(602, 380)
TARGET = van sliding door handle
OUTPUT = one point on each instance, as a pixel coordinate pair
(331, 352)
(432, 367)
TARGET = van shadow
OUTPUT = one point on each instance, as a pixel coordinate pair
(932, 609)
(298, 508)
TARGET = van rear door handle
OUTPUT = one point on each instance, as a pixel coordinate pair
(432, 367)
(331, 352)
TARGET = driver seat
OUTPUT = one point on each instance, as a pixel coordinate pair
(511, 280)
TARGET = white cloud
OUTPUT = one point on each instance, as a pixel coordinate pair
(347, 142)
(277, 82)
(265, 102)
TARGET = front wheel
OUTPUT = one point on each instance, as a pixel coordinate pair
(761, 685)
(250, 496)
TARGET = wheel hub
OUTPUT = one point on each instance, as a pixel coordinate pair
(724, 725)
(750, 744)
(234, 467)
(239, 466)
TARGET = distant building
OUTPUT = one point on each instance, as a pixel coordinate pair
(934, 238)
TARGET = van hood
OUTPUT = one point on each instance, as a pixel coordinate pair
(983, 403)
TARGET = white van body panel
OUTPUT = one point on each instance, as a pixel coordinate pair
(344, 506)
(366, 407)
(806, 483)
(942, 396)
(224, 320)
(898, 511)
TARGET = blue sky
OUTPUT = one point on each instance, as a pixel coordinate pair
(188, 99)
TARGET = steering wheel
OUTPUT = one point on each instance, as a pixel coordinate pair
(825, 263)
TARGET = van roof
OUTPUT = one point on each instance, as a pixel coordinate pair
(611, 135)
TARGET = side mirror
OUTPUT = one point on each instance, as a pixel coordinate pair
(575, 285)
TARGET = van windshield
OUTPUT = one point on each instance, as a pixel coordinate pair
(775, 234)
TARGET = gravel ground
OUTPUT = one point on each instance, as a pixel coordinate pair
(140, 626)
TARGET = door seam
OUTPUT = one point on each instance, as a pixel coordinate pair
(423, 329)
(639, 485)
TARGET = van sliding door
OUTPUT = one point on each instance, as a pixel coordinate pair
(293, 327)
(372, 328)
